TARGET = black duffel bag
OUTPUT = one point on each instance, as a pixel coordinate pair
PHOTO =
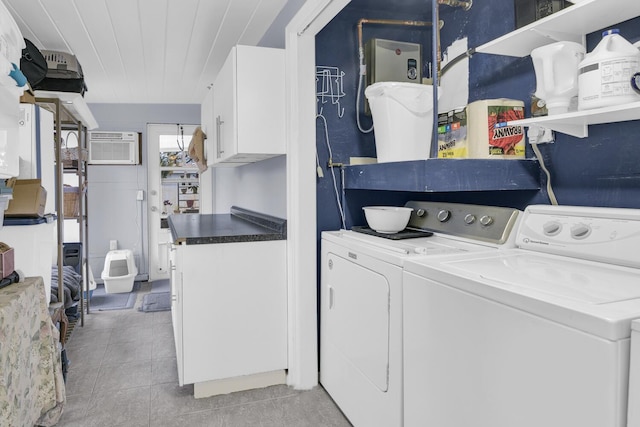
(62, 85)
(32, 64)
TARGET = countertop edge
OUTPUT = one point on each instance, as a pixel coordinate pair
(274, 229)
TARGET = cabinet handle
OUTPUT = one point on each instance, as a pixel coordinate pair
(330, 297)
(219, 150)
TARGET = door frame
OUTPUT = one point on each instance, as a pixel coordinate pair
(154, 208)
(300, 63)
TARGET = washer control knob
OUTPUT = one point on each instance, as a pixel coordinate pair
(552, 228)
(444, 215)
(486, 220)
(580, 231)
(469, 219)
(421, 212)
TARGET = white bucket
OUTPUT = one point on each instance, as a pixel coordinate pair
(403, 120)
(556, 67)
(605, 73)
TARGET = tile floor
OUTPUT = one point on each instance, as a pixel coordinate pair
(122, 372)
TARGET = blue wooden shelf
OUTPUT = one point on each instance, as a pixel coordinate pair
(445, 175)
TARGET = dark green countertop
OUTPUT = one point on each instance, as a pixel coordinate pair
(241, 225)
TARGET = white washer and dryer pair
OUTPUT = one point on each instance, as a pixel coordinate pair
(537, 335)
(361, 300)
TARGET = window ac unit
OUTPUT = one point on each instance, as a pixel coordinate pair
(114, 148)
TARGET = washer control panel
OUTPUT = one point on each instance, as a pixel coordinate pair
(602, 234)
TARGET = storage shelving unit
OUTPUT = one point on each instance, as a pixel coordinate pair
(70, 114)
(570, 24)
(185, 182)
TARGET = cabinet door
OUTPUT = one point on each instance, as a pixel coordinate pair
(260, 101)
(234, 318)
(175, 275)
(249, 106)
(224, 106)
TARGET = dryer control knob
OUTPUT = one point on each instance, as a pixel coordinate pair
(469, 219)
(552, 228)
(444, 215)
(580, 231)
(486, 220)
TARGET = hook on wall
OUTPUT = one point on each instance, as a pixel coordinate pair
(329, 87)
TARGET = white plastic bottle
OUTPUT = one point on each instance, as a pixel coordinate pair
(605, 74)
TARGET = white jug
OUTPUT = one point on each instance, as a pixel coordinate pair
(605, 73)
(556, 67)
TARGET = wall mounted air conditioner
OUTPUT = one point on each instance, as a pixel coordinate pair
(114, 148)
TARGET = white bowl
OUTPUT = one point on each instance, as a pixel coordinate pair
(387, 219)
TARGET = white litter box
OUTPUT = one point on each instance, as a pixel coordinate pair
(119, 271)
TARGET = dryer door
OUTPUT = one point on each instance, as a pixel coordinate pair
(357, 317)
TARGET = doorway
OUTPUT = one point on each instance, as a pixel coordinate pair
(173, 188)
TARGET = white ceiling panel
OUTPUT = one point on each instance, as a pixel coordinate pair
(145, 51)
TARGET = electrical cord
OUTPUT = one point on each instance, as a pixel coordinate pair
(551, 194)
(333, 174)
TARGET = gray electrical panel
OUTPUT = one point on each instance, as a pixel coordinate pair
(393, 61)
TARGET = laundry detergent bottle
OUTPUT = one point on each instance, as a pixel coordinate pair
(605, 73)
(556, 68)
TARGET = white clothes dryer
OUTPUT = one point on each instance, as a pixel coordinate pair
(532, 336)
(361, 300)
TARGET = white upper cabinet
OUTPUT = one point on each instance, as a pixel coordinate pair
(572, 24)
(248, 122)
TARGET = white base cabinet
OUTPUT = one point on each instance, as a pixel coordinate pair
(248, 107)
(229, 309)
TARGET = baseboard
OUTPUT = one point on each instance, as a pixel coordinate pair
(245, 382)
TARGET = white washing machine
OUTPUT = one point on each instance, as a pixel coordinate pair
(361, 300)
(532, 336)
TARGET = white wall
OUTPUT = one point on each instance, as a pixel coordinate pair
(113, 212)
(275, 35)
(259, 186)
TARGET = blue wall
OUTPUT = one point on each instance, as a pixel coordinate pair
(337, 46)
(601, 170)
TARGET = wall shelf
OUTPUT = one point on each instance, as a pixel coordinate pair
(575, 123)
(569, 24)
(445, 175)
(76, 106)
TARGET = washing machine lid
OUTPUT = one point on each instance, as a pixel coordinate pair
(597, 298)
